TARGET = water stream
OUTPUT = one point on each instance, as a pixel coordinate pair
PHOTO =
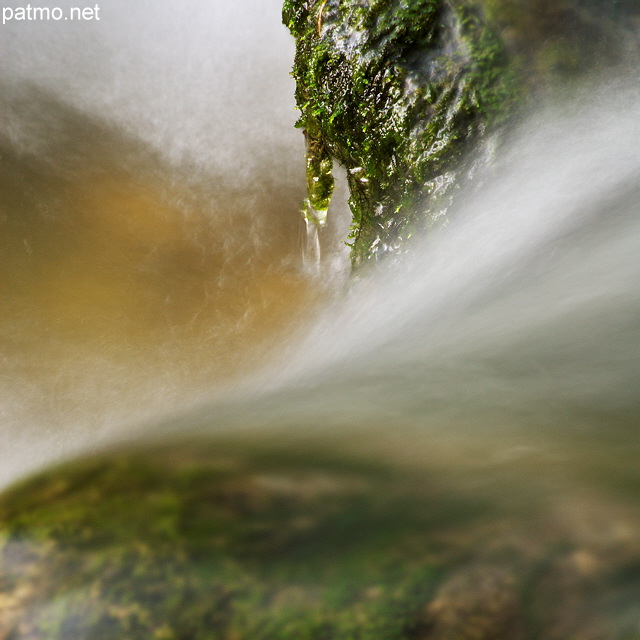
(513, 331)
(151, 237)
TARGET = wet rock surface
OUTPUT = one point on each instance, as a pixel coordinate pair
(413, 96)
(201, 541)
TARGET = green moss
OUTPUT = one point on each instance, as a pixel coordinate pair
(207, 540)
(395, 91)
(401, 91)
(194, 543)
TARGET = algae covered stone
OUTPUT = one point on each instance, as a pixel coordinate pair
(198, 543)
(203, 541)
(396, 92)
(409, 95)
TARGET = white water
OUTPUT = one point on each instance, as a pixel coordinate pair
(207, 88)
(513, 335)
(206, 83)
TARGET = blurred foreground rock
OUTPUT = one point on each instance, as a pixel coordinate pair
(199, 541)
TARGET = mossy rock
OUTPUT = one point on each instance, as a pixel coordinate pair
(200, 541)
(410, 95)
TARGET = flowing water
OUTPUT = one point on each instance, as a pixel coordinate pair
(151, 238)
(507, 343)
(153, 286)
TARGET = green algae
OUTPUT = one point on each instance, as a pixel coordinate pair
(174, 544)
(396, 92)
(409, 95)
(207, 541)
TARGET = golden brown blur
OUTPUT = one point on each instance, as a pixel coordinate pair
(121, 275)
